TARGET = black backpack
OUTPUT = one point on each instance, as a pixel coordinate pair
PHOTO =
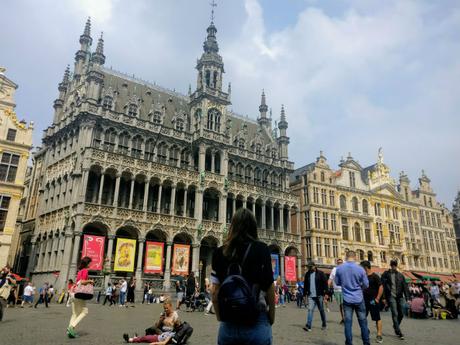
(183, 333)
(237, 298)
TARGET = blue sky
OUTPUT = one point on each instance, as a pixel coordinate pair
(353, 75)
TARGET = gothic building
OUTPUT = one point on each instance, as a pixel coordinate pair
(364, 209)
(456, 219)
(126, 159)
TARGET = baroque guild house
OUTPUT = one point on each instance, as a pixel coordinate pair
(131, 164)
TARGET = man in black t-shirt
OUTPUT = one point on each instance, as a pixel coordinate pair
(372, 296)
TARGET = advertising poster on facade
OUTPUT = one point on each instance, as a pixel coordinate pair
(290, 269)
(275, 266)
(93, 247)
(153, 262)
(124, 255)
(181, 257)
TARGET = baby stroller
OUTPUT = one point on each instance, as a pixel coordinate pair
(197, 302)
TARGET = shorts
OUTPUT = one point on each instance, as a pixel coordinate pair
(338, 297)
(374, 310)
(28, 299)
(180, 296)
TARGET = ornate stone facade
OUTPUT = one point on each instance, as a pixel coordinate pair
(365, 210)
(456, 218)
(15, 144)
(126, 158)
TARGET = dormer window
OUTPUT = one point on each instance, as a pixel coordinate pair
(213, 123)
(107, 102)
(241, 144)
(208, 78)
(258, 149)
(11, 135)
(132, 109)
(180, 125)
(157, 118)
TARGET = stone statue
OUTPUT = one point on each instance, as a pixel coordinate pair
(380, 155)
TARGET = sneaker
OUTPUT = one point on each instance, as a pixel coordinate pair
(379, 339)
(126, 337)
(342, 322)
(328, 310)
(323, 328)
(401, 336)
(71, 332)
(306, 329)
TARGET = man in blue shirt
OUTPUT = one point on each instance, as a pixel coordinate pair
(353, 279)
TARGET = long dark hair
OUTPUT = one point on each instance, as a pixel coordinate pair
(242, 229)
(84, 263)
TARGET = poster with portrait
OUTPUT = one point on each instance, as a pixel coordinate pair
(153, 262)
(181, 258)
(125, 255)
(275, 266)
(93, 247)
(290, 268)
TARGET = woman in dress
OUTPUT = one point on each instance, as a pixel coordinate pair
(79, 309)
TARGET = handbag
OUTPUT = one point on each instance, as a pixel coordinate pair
(85, 292)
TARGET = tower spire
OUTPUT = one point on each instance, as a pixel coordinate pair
(213, 5)
(98, 57)
(263, 108)
(85, 38)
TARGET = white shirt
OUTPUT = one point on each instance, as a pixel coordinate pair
(28, 290)
(124, 286)
(337, 288)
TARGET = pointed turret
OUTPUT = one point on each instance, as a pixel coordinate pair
(98, 56)
(82, 56)
(59, 102)
(263, 120)
(283, 140)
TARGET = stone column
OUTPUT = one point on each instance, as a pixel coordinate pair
(160, 187)
(264, 218)
(167, 281)
(254, 208)
(75, 253)
(245, 204)
(281, 219)
(146, 195)
(282, 268)
(198, 205)
(117, 190)
(139, 285)
(223, 209)
(233, 206)
(213, 159)
(202, 158)
(185, 213)
(84, 184)
(109, 252)
(299, 267)
(298, 214)
(196, 259)
(224, 164)
(173, 201)
(131, 194)
(288, 221)
(65, 263)
(272, 218)
(101, 187)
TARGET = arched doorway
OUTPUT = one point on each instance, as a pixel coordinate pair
(207, 247)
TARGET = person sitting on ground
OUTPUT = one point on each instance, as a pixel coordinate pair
(418, 307)
(165, 327)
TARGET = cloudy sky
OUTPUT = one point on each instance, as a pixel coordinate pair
(353, 75)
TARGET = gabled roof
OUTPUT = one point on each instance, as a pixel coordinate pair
(301, 171)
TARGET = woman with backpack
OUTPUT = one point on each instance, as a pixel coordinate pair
(83, 291)
(243, 292)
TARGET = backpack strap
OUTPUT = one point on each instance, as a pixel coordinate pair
(239, 265)
(246, 254)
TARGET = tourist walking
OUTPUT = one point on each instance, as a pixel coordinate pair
(315, 289)
(180, 293)
(123, 291)
(108, 295)
(43, 295)
(190, 290)
(83, 289)
(337, 289)
(396, 293)
(7, 282)
(353, 279)
(372, 296)
(243, 261)
(130, 291)
(28, 295)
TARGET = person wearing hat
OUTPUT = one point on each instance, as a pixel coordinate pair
(396, 293)
(315, 288)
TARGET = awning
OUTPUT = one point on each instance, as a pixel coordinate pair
(434, 276)
(410, 278)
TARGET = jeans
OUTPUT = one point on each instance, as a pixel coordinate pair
(360, 309)
(42, 299)
(79, 311)
(281, 299)
(312, 303)
(396, 307)
(258, 334)
(122, 298)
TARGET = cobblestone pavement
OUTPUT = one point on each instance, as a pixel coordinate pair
(105, 325)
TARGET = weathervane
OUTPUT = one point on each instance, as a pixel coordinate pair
(213, 4)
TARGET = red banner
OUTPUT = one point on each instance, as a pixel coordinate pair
(93, 246)
(153, 262)
(290, 269)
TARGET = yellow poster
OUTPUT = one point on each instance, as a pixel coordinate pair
(181, 257)
(125, 255)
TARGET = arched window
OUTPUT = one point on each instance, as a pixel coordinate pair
(207, 75)
(343, 202)
(365, 206)
(217, 121)
(248, 174)
(257, 177)
(354, 203)
(357, 232)
(174, 155)
(136, 149)
(109, 139)
(132, 109)
(258, 149)
(213, 123)
(322, 176)
(383, 257)
(157, 118)
(370, 256)
(97, 137)
(150, 150)
(107, 102)
(264, 178)
(241, 144)
(180, 125)
(185, 158)
(214, 82)
(361, 255)
(123, 143)
(162, 152)
(239, 171)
